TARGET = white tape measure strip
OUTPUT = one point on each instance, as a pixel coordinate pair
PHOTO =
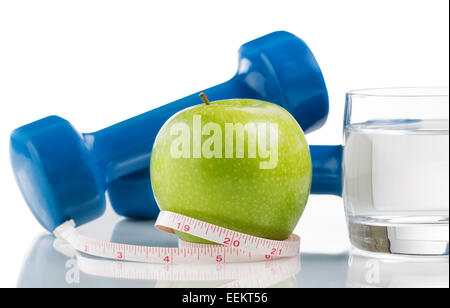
(261, 274)
(235, 246)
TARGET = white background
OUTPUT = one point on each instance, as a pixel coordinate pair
(98, 62)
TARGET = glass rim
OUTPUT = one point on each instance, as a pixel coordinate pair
(401, 92)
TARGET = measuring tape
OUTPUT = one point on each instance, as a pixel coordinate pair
(234, 247)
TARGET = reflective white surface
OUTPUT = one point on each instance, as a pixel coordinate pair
(50, 264)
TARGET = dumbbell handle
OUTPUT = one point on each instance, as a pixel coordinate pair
(327, 169)
(126, 147)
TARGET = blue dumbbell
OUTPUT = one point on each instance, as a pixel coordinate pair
(64, 174)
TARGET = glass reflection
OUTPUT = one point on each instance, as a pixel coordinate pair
(389, 271)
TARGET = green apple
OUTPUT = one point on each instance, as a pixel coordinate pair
(240, 164)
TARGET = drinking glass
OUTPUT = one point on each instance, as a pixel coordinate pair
(396, 170)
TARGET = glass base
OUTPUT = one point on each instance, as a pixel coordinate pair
(407, 239)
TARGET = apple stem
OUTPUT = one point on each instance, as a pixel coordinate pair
(204, 98)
